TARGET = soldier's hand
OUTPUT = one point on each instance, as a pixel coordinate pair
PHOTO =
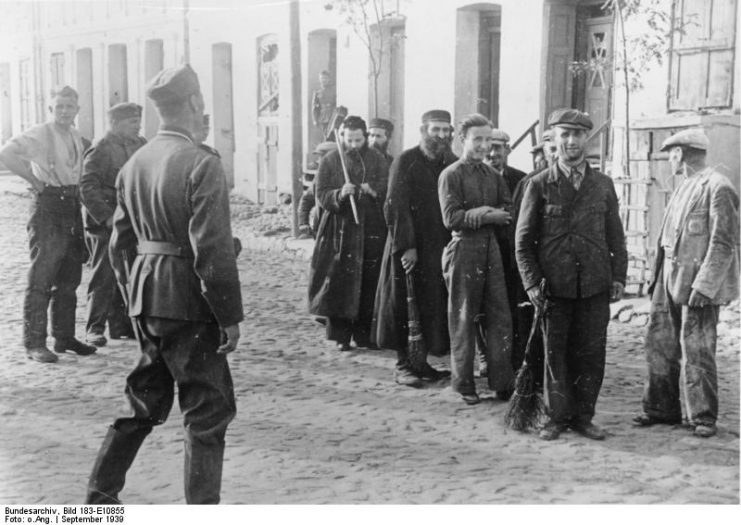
(616, 293)
(499, 216)
(347, 190)
(409, 259)
(230, 337)
(536, 297)
(698, 299)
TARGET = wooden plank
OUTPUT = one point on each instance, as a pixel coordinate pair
(640, 144)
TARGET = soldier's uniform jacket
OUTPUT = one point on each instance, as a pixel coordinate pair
(573, 238)
(705, 251)
(98, 182)
(172, 229)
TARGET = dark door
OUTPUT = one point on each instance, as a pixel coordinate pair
(490, 36)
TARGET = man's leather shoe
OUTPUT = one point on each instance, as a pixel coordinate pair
(432, 374)
(551, 431)
(644, 420)
(403, 375)
(589, 430)
(705, 431)
(41, 354)
(344, 347)
(73, 345)
(471, 399)
(96, 339)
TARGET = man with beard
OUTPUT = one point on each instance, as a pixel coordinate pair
(347, 254)
(475, 200)
(98, 195)
(379, 135)
(417, 237)
(570, 250)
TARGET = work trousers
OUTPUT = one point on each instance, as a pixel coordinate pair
(679, 333)
(182, 353)
(472, 269)
(104, 300)
(575, 333)
(55, 241)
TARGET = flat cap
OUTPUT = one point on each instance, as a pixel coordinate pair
(497, 135)
(570, 118)
(64, 91)
(439, 115)
(173, 84)
(692, 137)
(325, 147)
(381, 123)
(124, 110)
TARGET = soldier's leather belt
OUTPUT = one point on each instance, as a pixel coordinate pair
(164, 248)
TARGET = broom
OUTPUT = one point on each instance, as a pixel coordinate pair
(416, 351)
(526, 407)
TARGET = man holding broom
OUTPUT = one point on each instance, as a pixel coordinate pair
(569, 234)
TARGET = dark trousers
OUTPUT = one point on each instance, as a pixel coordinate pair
(182, 353)
(55, 240)
(104, 300)
(472, 268)
(575, 332)
(678, 333)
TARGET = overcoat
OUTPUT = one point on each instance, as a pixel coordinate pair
(414, 219)
(336, 272)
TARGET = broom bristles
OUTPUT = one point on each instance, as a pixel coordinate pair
(525, 406)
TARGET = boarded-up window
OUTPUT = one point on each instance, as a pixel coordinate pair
(702, 54)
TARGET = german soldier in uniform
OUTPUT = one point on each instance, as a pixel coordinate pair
(172, 250)
(570, 235)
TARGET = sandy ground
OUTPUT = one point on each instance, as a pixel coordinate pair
(315, 426)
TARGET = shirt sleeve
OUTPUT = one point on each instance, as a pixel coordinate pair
(451, 200)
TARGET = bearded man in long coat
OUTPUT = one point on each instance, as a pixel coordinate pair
(417, 237)
(347, 254)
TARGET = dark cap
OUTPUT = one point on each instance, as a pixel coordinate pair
(439, 115)
(64, 91)
(692, 138)
(381, 123)
(497, 135)
(173, 84)
(123, 111)
(570, 118)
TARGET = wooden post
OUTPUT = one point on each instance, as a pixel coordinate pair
(296, 135)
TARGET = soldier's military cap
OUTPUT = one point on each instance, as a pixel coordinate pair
(381, 123)
(124, 110)
(693, 138)
(439, 115)
(497, 135)
(173, 84)
(570, 118)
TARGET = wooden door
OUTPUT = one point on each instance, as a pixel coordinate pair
(267, 162)
(223, 110)
(85, 118)
(154, 62)
(599, 76)
(5, 108)
(490, 31)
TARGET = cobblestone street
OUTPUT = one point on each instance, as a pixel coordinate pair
(314, 426)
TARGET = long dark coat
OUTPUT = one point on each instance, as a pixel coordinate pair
(414, 219)
(337, 265)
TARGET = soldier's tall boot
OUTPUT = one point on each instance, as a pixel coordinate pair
(116, 455)
(203, 465)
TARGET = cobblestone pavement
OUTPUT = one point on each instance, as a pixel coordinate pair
(318, 427)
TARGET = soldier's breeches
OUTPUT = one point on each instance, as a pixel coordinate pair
(679, 333)
(104, 301)
(472, 268)
(575, 334)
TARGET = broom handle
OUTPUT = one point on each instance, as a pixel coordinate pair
(347, 177)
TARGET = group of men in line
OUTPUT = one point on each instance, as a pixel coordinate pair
(491, 251)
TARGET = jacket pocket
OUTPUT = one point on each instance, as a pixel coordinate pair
(697, 223)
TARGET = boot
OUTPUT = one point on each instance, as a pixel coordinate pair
(203, 464)
(114, 459)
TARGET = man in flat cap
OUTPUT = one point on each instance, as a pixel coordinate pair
(49, 157)
(695, 272)
(172, 250)
(98, 195)
(570, 249)
(475, 200)
(347, 255)
(379, 135)
(417, 237)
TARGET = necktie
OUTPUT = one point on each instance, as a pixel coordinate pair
(574, 178)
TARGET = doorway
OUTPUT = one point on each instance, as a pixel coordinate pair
(5, 109)
(388, 43)
(268, 105)
(118, 78)
(322, 57)
(85, 118)
(154, 62)
(223, 111)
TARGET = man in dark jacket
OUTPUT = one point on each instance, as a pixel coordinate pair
(417, 237)
(347, 254)
(569, 235)
(379, 135)
(172, 250)
(98, 196)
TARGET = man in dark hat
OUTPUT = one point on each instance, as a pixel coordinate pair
(347, 254)
(696, 270)
(49, 158)
(571, 254)
(417, 237)
(172, 250)
(379, 134)
(98, 195)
